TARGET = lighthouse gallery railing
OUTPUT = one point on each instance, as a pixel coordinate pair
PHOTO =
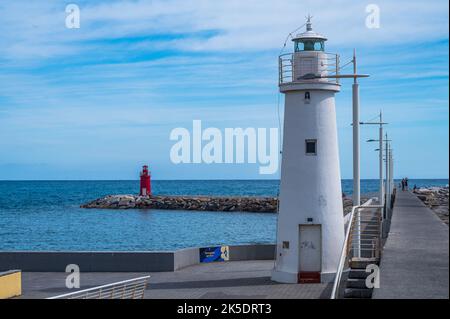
(329, 63)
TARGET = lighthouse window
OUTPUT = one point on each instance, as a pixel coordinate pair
(318, 46)
(309, 45)
(311, 147)
(299, 46)
(307, 97)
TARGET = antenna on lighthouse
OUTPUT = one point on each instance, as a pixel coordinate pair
(308, 22)
(291, 34)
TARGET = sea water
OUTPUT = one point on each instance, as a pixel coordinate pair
(45, 216)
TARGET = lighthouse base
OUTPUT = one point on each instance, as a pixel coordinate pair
(295, 278)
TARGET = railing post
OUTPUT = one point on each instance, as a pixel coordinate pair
(292, 67)
(380, 233)
(357, 249)
(337, 68)
(280, 70)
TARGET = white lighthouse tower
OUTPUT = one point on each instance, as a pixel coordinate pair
(310, 223)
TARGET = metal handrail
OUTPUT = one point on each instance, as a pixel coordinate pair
(108, 290)
(286, 66)
(344, 251)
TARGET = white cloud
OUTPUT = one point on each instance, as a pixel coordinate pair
(37, 29)
(135, 66)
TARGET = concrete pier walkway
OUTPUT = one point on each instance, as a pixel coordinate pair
(225, 280)
(415, 260)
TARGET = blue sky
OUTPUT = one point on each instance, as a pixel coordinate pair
(100, 101)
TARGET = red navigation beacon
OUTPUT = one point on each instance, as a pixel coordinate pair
(146, 187)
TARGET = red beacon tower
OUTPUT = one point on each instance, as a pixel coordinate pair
(146, 187)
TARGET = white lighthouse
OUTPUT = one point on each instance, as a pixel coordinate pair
(310, 222)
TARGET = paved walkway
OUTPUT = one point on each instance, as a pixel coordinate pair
(239, 279)
(416, 254)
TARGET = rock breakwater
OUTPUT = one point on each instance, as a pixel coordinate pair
(437, 199)
(198, 203)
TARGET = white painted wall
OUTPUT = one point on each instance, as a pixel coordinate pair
(306, 62)
(310, 185)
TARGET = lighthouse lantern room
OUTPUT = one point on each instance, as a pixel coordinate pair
(310, 231)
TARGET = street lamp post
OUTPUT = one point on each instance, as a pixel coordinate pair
(356, 147)
(355, 124)
(380, 140)
(387, 184)
(384, 214)
(381, 193)
(391, 174)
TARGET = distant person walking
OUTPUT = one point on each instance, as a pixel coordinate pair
(403, 184)
(406, 183)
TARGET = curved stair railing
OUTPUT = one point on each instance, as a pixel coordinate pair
(362, 239)
(127, 289)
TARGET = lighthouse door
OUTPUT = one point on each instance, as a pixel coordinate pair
(310, 253)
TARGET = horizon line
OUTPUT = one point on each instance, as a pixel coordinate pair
(220, 179)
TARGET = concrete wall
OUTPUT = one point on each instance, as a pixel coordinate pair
(186, 257)
(88, 261)
(252, 252)
(10, 284)
(123, 261)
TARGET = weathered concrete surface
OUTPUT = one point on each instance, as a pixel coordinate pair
(252, 252)
(237, 280)
(415, 261)
(186, 257)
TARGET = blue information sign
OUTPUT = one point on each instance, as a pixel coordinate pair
(213, 254)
